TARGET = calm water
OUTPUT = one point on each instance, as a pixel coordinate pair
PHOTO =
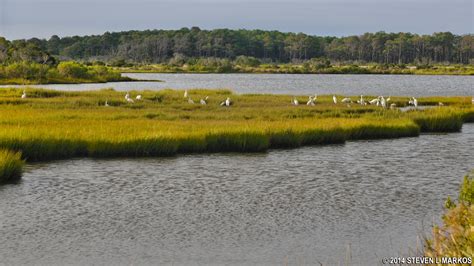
(298, 84)
(299, 206)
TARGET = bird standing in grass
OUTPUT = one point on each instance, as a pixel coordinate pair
(383, 103)
(106, 103)
(334, 99)
(346, 100)
(185, 93)
(295, 101)
(139, 97)
(415, 102)
(204, 101)
(310, 101)
(374, 101)
(226, 103)
(361, 101)
(128, 99)
(23, 96)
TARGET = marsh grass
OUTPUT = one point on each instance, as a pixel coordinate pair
(57, 124)
(455, 237)
(11, 165)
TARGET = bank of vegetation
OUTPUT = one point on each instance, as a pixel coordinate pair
(455, 237)
(25, 73)
(57, 124)
(225, 51)
(244, 64)
(11, 165)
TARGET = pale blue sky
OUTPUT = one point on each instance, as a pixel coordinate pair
(43, 18)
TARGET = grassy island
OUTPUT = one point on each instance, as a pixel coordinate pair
(26, 73)
(49, 124)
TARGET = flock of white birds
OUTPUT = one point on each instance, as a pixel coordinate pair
(379, 101)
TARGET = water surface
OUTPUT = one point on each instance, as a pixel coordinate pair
(360, 201)
(411, 85)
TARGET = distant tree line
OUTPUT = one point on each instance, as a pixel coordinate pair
(180, 46)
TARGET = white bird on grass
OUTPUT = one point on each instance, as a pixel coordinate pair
(23, 96)
(310, 101)
(127, 96)
(383, 103)
(106, 103)
(130, 100)
(334, 99)
(393, 106)
(204, 101)
(346, 100)
(185, 93)
(441, 104)
(374, 101)
(361, 101)
(295, 101)
(226, 103)
(139, 97)
(415, 102)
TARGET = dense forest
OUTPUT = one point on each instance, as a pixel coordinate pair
(176, 47)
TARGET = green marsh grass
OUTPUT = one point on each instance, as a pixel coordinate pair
(455, 237)
(11, 165)
(58, 124)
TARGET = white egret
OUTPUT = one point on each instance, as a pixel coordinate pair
(415, 102)
(23, 96)
(227, 102)
(383, 103)
(393, 106)
(127, 96)
(346, 100)
(361, 101)
(441, 104)
(185, 93)
(130, 100)
(310, 101)
(295, 101)
(410, 102)
(139, 97)
(106, 103)
(204, 101)
(334, 99)
(374, 101)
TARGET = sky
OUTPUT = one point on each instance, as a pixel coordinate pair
(44, 18)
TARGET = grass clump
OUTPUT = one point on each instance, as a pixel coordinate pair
(11, 165)
(455, 237)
